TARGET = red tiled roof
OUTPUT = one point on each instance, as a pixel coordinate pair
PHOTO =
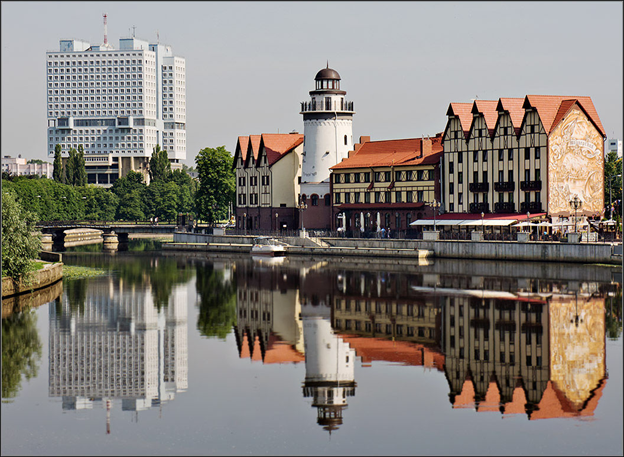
(548, 107)
(241, 146)
(397, 351)
(392, 153)
(488, 109)
(253, 147)
(464, 112)
(277, 145)
(514, 107)
(487, 217)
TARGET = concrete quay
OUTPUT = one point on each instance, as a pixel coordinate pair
(587, 253)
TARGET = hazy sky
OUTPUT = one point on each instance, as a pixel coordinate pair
(250, 64)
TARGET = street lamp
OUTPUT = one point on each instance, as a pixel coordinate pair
(576, 203)
(276, 226)
(528, 221)
(435, 204)
(301, 207)
(610, 202)
(482, 228)
(245, 222)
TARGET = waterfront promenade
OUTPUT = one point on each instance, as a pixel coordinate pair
(600, 253)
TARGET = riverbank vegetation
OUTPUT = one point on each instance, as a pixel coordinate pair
(67, 197)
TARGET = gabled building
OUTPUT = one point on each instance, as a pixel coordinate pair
(519, 155)
(268, 170)
(386, 184)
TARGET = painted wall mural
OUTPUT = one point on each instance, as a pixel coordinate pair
(575, 166)
(577, 359)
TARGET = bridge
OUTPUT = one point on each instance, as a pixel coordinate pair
(119, 231)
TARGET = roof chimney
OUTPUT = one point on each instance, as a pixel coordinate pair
(425, 146)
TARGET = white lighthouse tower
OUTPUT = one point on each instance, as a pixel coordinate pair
(327, 130)
(329, 363)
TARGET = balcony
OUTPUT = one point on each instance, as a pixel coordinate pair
(532, 207)
(505, 186)
(325, 107)
(504, 207)
(479, 208)
(530, 185)
(479, 187)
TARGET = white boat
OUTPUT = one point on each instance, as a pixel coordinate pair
(263, 245)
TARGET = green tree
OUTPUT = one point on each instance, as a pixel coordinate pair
(131, 206)
(187, 187)
(216, 183)
(613, 168)
(21, 351)
(71, 167)
(100, 204)
(57, 174)
(159, 165)
(81, 171)
(19, 246)
(131, 191)
(217, 302)
(162, 200)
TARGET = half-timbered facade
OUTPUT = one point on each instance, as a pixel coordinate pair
(386, 184)
(523, 155)
(268, 170)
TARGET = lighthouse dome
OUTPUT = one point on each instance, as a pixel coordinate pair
(327, 73)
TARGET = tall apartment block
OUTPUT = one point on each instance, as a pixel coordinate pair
(118, 103)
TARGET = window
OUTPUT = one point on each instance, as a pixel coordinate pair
(460, 198)
(537, 153)
(527, 175)
(501, 176)
(475, 156)
(460, 177)
(460, 157)
(367, 197)
(420, 196)
(367, 177)
(409, 196)
(388, 176)
(510, 154)
(327, 200)
(377, 176)
(451, 207)
(314, 200)
(510, 175)
(451, 168)
(345, 140)
(397, 196)
(377, 197)
(537, 175)
(527, 153)
(451, 187)
(501, 155)
(485, 155)
(356, 177)
(337, 198)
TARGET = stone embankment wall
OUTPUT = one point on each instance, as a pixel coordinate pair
(42, 278)
(606, 253)
(39, 297)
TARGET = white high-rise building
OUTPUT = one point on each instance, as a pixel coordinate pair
(117, 103)
(614, 145)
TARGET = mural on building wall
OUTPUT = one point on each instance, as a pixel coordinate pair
(577, 362)
(575, 166)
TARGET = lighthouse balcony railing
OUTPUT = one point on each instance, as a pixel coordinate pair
(322, 106)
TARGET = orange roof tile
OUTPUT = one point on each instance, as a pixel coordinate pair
(244, 350)
(548, 107)
(488, 109)
(514, 107)
(517, 405)
(492, 398)
(388, 153)
(277, 145)
(398, 351)
(464, 112)
(253, 148)
(283, 352)
(467, 397)
(256, 354)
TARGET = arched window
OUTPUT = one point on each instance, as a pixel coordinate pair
(408, 219)
(345, 139)
(327, 200)
(314, 199)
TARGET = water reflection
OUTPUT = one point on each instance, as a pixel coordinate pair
(109, 341)
(506, 345)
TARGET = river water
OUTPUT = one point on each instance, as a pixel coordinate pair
(226, 354)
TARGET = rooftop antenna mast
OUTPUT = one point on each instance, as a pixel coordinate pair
(134, 31)
(105, 29)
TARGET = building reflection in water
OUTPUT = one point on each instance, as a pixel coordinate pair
(507, 345)
(118, 346)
